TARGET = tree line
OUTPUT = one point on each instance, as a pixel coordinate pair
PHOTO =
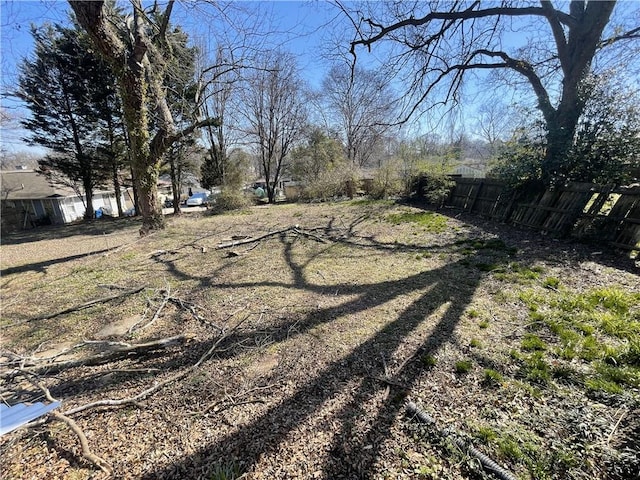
(124, 89)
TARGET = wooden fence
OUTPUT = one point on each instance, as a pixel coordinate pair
(583, 210)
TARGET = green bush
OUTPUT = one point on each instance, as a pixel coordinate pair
(433, 185)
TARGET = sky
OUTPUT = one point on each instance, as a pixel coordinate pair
(309, 29)
(296, 26)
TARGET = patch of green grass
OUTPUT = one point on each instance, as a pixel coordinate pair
(614, 299)
(428, 361)
(486, 434)
(509, 448)
(620, 375)
(226, 471)
(531, 299)
(532, 342)
(473, 313)
(492, 244)
(483, 324)
(535, 369)
(368, 201)
(600, 385)
(517, 273)
(590, 349)
(551, 282)
(492, 378)
(432, 222)
(475, 343)
(463, 366)
(563, 372)
(487, 267)
(616, 325)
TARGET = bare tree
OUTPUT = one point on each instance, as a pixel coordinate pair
(363, 109)
(220, 83)
(441, 42)
(494, 124)
(140, 69)
(274, 109)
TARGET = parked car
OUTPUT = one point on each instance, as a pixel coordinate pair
(198, 199)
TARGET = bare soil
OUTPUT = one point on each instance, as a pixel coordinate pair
(327, 331)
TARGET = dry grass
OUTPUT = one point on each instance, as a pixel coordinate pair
(295, 391)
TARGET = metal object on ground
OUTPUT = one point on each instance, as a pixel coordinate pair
(17, 415)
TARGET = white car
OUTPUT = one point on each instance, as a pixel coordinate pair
(198, 199)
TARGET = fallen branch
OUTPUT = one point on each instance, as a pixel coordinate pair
(85, 305)
(158, 386)
(253, 239)
(219, 406)
(156, 315)
(84, 444)
(119, 351)
(191, 308)
(295, 229)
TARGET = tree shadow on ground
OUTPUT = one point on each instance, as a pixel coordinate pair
(41, 267)
(98, 227)
(355, 445)
(574, 250)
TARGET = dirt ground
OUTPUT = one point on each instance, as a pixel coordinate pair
(298, 352)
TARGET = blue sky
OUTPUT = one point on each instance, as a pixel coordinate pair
(299, 27)
(305, 28)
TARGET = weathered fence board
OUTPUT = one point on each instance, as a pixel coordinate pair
(583, 210)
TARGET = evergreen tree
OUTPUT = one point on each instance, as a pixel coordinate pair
(63, 86)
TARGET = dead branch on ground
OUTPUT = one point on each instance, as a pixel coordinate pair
(120, 351)
(160, 385)
(84, 443)
(192, 309)
(235, 401)
(165, 299)
(295, 229)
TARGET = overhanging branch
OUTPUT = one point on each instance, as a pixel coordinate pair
(468, 14)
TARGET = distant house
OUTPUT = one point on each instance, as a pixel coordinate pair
(29, 200)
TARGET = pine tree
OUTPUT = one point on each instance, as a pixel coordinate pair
(66, 87)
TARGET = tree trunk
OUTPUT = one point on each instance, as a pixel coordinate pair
(145, 169)
(175, 181)
(128, 65)
(89, 212)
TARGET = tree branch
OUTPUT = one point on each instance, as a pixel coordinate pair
(467, 14)
(630, 35)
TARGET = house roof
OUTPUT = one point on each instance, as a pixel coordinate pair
(29, 185)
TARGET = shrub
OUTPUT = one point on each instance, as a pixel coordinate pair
(433, 185)
(230, 199)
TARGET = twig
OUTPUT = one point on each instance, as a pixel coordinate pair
(615, 427)
(165, 299)
(84, 444)
(309, 235)
(234, 402)
(158, 386)
(191, 308)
